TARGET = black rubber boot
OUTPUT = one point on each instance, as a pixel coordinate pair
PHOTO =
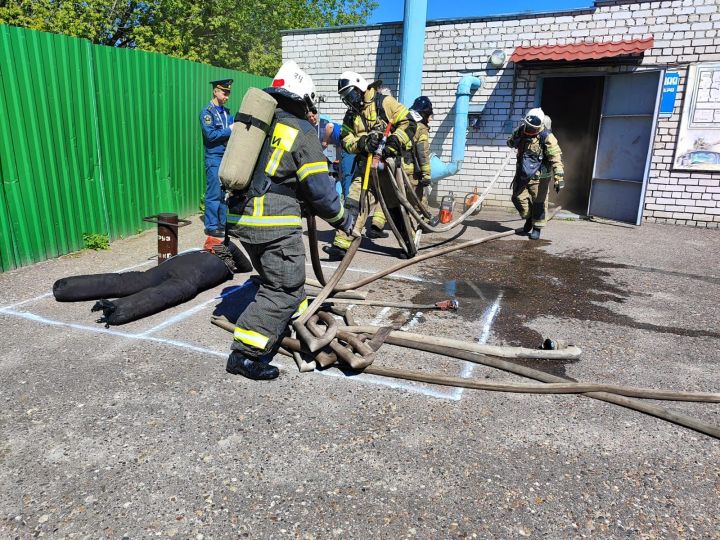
(528, 226)
(237, 364)
(373, 232)
(535, 234)
(334, 253)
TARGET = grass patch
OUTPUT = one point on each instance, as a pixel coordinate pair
(96, 241)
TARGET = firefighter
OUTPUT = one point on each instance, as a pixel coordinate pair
(217, 124)
(368, 114)
(291, 169)
(539, 160)
(416, 161)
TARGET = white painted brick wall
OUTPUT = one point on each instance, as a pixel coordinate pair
(685, 31)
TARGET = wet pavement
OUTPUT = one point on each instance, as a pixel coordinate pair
(136, 431)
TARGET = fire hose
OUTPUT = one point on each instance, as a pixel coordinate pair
(554, 385)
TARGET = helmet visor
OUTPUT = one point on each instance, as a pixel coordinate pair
(352, 98)
(533, 124)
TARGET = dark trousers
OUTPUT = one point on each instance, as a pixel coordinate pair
(281, 267)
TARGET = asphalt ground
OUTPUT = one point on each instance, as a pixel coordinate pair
(136, 431)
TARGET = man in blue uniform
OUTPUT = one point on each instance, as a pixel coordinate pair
(217, 124)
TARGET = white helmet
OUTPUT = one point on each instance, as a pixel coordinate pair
(352, 87)
(533, 121)
(292, 82)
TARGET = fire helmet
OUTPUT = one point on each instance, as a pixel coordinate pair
(293, 83)
(533, 121)
(352, 87)
(423, 106)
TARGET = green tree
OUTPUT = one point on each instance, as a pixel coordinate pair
(236, 34)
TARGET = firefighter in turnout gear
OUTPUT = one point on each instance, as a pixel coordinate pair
(368, 114)
(539, 160)
(290, 170)
(416, 161)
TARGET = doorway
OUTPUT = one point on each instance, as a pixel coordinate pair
(574, 105)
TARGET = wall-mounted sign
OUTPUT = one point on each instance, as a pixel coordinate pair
(698, 142)
(669, 92)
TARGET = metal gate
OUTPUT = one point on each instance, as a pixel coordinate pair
(625, 139)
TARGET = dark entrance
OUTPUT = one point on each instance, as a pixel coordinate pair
(574, 105)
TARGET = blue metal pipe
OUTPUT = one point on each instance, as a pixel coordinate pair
(411, 64)
(439, 169)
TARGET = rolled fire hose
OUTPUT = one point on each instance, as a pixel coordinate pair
(609, 393)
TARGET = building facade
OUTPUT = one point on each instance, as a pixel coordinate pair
(633, 90)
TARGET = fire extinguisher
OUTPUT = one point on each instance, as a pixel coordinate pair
(471, 199)
(447, 205)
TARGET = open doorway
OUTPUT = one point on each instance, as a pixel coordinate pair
(574, 105)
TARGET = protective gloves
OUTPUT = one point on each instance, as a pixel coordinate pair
(559, 183)
(367, 144)
(424, 181)
(392, 147)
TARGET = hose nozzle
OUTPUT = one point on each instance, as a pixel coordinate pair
(448, 305)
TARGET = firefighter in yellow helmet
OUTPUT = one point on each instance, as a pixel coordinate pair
(539, 161)
(291, 169)
(368, 114)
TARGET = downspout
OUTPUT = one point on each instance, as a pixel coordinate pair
(413, 50)
(411, 70)
(439, 169)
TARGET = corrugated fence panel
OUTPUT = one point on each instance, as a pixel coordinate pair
(103, 138)
(50, 179)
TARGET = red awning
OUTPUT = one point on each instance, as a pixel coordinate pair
(581, 51)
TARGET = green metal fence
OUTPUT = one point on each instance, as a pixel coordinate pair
(94, 138)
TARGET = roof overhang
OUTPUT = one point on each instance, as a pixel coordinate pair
(574, 52)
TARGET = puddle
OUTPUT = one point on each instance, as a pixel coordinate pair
(535, 283)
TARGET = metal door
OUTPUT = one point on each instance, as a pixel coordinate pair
(625, 139)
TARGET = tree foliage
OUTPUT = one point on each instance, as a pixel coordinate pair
(236, 34)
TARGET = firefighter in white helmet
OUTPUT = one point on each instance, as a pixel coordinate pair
(291, 168)
(539, 160)
(368, 114)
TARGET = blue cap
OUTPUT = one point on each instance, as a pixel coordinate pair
(222, 84)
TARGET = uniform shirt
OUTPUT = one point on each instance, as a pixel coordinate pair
(537, 155)
(215, 122)
(371, 119)
(293, 163)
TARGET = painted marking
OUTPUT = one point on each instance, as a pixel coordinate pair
(380, 316)
(371, 379)
(412, 322)
(40, 297)
(488, 318)
(405, 277)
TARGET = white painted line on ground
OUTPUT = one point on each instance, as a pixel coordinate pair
(188, 346)
(406, 277)
(488, 318)
(412, 322)
(40, 297)
(380, 316)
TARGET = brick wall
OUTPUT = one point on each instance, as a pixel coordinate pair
(685, 31)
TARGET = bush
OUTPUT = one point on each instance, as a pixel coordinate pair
(96, 241)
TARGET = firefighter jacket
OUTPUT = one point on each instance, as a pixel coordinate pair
(291, 168)
(377, 111)
(538, 156)
(416, 161)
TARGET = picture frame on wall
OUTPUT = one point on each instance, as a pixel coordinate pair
(698, 141)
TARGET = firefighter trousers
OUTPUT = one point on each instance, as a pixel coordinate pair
(531, 199)
(352, 203)
(281, 266)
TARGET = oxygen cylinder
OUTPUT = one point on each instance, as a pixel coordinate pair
(447, 205)
(252, 124)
